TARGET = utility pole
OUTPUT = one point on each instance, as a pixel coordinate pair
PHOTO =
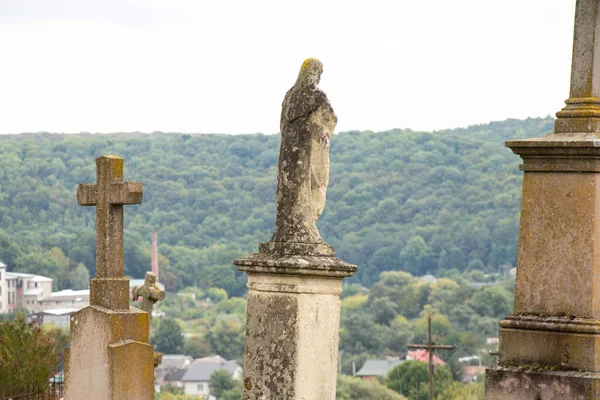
(430, 346)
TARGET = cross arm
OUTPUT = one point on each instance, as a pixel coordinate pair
(87, 194)
(443, 346)
(431, 346)
(126, 193)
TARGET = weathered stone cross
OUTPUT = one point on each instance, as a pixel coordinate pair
(582, 112)
(109, 289)
(150, 294)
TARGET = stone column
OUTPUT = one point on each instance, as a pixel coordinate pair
(550, 345)
(109, 357)
(292, 323)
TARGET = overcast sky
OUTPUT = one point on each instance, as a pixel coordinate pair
(223, 66)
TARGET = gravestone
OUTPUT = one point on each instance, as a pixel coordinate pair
(109, 356)
(294, 281)
(550, 344)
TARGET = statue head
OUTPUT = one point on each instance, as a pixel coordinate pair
(310, 73)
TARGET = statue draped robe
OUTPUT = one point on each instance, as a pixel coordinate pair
(307, 124)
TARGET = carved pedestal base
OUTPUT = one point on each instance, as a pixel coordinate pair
(292, 325)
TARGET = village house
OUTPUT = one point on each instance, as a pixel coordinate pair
(373, 369)
(196, 378)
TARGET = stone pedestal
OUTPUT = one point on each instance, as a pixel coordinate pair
(518, 384)
(555, 326)
(109, 356)
(293, 320)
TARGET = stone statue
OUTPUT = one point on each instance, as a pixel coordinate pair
(307, 123)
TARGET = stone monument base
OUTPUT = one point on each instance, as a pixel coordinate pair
(503, 383)
(109, 356)
(292, 323)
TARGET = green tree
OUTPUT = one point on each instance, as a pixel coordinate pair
(9, 249)
(168, 338)
(232, 394)
(352, 388)
(29, 356)
(412, 377)
(461, 391)
(80, 277)
(492, 301)
(197, 347)
(414, 254)
(227, 336)
(219, 382)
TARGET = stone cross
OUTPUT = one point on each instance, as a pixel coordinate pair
(109, 194)
(150, 294)
(582, 113)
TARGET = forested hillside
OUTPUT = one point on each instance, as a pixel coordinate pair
(399, 200)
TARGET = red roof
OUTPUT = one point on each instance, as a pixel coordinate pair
(423, 355)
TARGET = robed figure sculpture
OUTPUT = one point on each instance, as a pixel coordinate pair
(307, 124)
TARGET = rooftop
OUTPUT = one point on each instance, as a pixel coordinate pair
(60, 311)
(70, 292)
(201, 369)
(423, 355)
(38, 278)
(377, 367)
(34, 291)
(175, 361)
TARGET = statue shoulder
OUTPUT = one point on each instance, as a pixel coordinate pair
(300, 103)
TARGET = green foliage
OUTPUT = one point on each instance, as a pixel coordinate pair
(227, 336)
(29, 356)
(220, 381)
(351, 388)
(461, 391)
(171, 396)
(80, 278)
(393, 313)
(168, 338)
(412, 378)
(197, 347)
(232, 394)
(397, 200)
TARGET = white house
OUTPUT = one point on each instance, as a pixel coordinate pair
(197, 376)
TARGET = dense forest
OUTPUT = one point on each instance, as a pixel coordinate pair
(402, 205)
(421, 202)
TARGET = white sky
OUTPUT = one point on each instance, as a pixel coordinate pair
(224, 65)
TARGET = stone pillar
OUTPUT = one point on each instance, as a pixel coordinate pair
(292, 323)
(109, 356)
(550, 345)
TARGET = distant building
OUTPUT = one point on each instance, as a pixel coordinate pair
(373, 369)
(67, 298)
(33, 293)
(492, 340)
(59, 317)
(20, 290)
(379, 368)
(197, 376)
(171, 369)
(423, 355)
